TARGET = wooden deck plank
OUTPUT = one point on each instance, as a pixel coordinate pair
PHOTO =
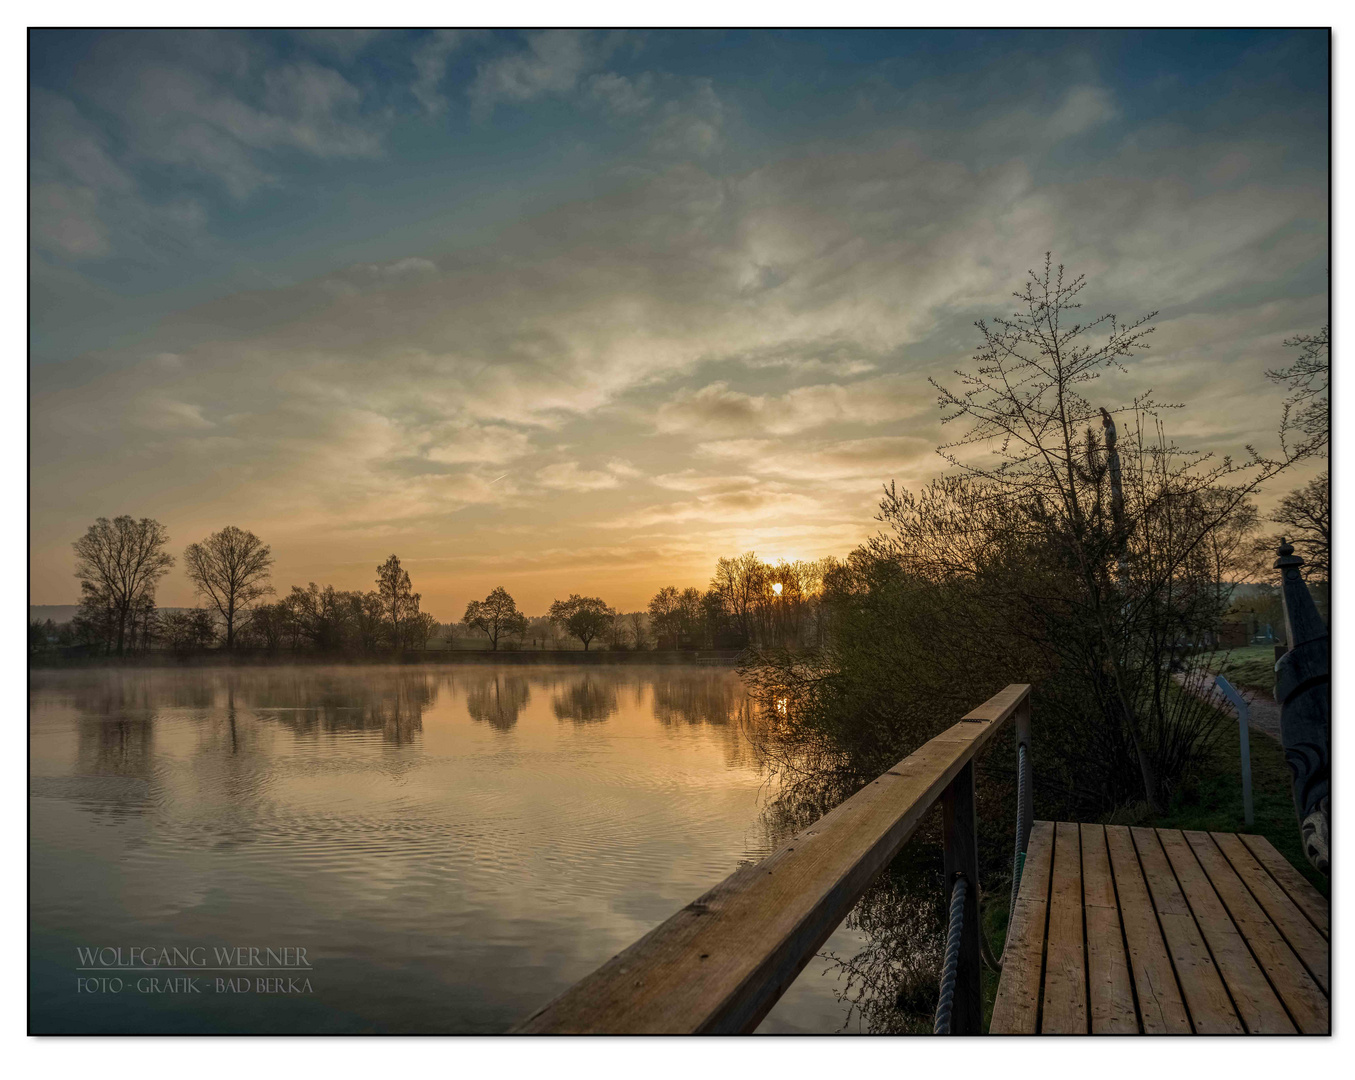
(1016, 1009)
(1161, 1010)
(1065, 980)
(1302, 936)
(1311, 902)
(1211, 1010)
(1256, 1002)
(1300, 995)
(1109, 991)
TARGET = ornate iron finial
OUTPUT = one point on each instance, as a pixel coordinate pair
(1303, 688)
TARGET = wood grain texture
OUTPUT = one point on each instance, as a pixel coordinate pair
(1161, 1008)
(1311, 902)
(1293, 925)
(1109, 991)
(721, 963)
(1211, 1010)
(1065, 981)
(1016, 1009)
(1302, 997)
(1256, 1002)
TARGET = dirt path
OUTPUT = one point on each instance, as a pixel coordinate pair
(1264, 709)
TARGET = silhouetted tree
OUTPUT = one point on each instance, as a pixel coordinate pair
(496, 616)
(583, 617)
(663, 617)
(230, 568)
(122, 561)
(1306, 516)
(398, 601)
(1307, 411)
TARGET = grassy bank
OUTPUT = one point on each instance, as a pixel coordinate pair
(1252, 667)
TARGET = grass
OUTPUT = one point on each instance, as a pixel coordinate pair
(1252, 667)
(1214, 801)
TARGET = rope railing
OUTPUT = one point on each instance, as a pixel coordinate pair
(1019, 858)
(950, 967)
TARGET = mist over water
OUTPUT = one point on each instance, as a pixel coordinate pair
(452, 846)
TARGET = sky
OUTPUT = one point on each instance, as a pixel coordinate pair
(583, 311)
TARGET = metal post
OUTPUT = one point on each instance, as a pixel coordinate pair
(1243, 742)
(962, 858)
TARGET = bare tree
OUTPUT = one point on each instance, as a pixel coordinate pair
(1306, 515)
(121, 561)
(1124, 553)
(496, 616)
(637, 629)
(231, 569)
(1307, 411)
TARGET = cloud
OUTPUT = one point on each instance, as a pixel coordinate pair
(716, 409)
(621, 95)
(776, 324)
(550, 65)
(211, 106)
(430, 63)
(693, 126)
(567, 476)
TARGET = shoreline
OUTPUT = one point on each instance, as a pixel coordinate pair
(721, 658)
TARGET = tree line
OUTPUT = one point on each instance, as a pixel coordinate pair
(121, 562)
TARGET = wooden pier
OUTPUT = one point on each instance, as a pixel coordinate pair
(1120, 931)
(1114, 930)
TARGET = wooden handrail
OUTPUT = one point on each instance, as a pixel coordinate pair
(723, 961)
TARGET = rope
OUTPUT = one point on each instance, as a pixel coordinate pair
(950, 967)
(1019, 858)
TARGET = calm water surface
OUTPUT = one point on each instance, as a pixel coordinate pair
(451, 846)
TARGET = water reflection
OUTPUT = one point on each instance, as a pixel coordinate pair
(451, 849)
(586, 700)
(495, 699)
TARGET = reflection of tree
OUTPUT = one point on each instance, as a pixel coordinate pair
(497, 701)
(389, 701)
(116, 745)
(586, 700)
(891, 983)
(696, 697)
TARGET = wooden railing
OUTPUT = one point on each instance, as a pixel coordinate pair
(723, 961)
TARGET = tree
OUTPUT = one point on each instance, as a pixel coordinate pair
(231, 569)
(496, 616)
(1307, 411)
(399, 603)
(267, 624)
(421, 627)
(122, 561)
(1111, 545)
(583, 617)
(663, 615)
(1306, 515)
(637, 630)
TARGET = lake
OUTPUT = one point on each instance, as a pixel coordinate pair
(445, 847)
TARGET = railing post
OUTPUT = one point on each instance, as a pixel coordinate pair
(962, 858)
(1025, 812)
